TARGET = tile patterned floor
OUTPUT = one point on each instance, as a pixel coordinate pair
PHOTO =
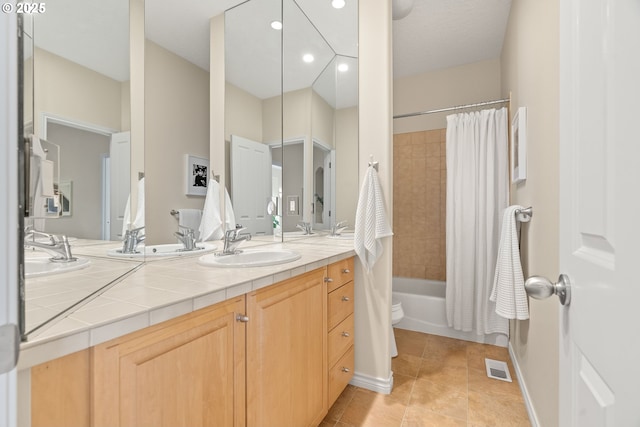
(438, 382)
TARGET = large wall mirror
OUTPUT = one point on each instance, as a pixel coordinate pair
(291, 114)
(87, 96)
(77, 116)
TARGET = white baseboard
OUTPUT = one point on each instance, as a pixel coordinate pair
(533, 418)
(379, 385)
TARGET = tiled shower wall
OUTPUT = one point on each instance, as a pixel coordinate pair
(419, 201)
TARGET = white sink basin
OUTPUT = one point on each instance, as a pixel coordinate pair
(170, 249)
(42, 266)
(250, 258)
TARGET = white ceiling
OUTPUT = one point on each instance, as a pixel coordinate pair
(437, 34)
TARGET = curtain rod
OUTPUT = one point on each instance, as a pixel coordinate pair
(459, 107)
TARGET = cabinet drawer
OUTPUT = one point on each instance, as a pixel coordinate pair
(340, 339)
(340, 375)
(339, 273)
(339, 305)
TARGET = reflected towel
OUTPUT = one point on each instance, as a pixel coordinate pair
(190, 218)
(371, 221)
(211, 224)
(508, 285)
(138, 221)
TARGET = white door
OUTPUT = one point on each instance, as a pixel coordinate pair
(599, 203)
(8, 216)
(119, 181)
(251, 184)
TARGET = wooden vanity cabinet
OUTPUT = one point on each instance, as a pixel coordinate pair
(340, 326)
(286, 353)
(284, 364)
(189, 371)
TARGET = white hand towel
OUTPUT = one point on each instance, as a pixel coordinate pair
(371, 221)
(229, 215)
(211, 224)
(190, 218)
(138, 221)
(508, 285)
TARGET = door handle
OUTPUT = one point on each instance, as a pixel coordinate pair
(539, 287)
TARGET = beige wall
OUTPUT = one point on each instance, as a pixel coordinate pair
(243, 114)
(136, 91)
(419, 194)
(70, 91)
(176, 124)
(346, 165)
(461, 85)
(322, 120)
(530, 61)
(373, 291)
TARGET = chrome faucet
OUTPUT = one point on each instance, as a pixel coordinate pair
(187, 237)
(338, 228)
(305, 226)
(131, 240)
(232, 239)
(58, 246)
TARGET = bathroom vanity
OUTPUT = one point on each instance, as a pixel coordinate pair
(278, 354)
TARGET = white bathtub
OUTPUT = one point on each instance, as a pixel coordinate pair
(423, 303)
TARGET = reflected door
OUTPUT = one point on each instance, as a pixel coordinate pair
(119, 170)
(251, 184)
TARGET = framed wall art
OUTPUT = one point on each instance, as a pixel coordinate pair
(196, 171)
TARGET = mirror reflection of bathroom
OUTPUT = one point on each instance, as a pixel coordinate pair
(306, 117)
(76, 108)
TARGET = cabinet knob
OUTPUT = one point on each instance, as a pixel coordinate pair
(242, 318)
(328, 279)
(345, 369)
(345, 334)
(346, 271)
(345, 298)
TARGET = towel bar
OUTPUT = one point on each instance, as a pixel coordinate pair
(174, 213)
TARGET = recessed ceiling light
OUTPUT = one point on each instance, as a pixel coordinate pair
(276, 25)
(308, 58)
(338, 4)
(343, 67)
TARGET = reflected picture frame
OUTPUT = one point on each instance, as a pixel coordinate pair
(196, 172)
(519, 146)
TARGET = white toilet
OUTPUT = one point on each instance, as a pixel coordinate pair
(396, 316)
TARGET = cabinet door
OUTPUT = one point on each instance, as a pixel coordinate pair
(286, 353)
(189, 371)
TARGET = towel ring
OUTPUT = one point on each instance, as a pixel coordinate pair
(524, 215)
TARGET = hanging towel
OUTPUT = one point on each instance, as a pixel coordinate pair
(508, 285)
(138, 221)
(371, 221)
(190, 218)
(211, 222)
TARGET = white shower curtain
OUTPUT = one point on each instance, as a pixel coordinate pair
(477, 193)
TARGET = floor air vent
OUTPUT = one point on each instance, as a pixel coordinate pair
(497, 370)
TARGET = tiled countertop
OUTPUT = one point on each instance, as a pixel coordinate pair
(160, 290)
